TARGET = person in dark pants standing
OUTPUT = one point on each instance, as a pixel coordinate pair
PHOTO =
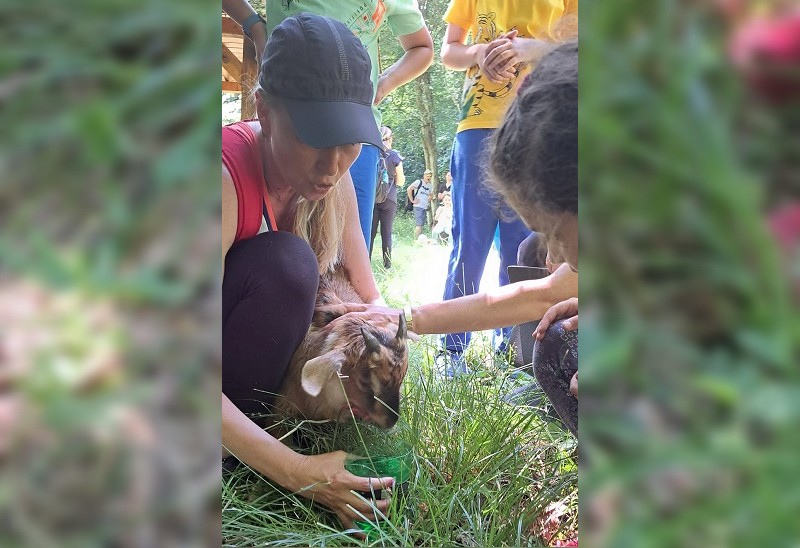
(385, 211)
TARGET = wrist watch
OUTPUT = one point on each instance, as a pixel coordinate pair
(247, 26)
(409, 318)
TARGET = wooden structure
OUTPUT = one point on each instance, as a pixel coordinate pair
(239, 65)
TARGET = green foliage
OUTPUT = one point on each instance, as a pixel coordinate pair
(688, 343)
(484, 473)
(103, 126)
(401, 111)
(109, 246)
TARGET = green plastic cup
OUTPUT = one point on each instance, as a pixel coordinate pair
(398, 466)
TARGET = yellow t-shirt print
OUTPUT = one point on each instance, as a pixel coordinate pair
(477, 88)
(483, 103)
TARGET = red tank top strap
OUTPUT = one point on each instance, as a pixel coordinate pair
(241, 155)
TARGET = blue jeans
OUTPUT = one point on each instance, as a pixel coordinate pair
(364, 172)
(476, 217)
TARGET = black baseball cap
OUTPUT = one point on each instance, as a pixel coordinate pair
(321, 73)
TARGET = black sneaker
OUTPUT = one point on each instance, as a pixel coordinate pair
(531, 395)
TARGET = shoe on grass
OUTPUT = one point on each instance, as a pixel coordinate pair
(528, 395)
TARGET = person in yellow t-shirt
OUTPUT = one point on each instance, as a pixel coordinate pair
(497, 43)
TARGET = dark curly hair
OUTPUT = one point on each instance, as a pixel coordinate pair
(533, 155)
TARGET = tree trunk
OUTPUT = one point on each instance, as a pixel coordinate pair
(424, 94)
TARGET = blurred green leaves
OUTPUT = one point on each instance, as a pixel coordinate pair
(109, 272)
(107, 106)
(689, 347)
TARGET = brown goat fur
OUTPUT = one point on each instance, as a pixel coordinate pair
(345, 367)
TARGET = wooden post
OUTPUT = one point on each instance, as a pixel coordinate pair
(248, 79)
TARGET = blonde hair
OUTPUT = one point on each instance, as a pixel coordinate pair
(321, 222)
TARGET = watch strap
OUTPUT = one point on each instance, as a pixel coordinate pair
(247, 26)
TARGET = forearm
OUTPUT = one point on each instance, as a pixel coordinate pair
(255, 447)
(508, 305)
(239, 11)
(457, 56)
(414, 62)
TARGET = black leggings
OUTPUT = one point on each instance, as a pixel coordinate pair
(383, 212)
(268, 296)
(555, 361)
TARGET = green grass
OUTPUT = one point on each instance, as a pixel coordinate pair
(485, 473)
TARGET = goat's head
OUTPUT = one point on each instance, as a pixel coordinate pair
(362, 374)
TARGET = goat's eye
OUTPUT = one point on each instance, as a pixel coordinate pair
(364, 382)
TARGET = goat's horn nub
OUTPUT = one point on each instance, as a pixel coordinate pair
(372, 343)
(401, 328)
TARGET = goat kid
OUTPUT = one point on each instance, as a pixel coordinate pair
(345, 367)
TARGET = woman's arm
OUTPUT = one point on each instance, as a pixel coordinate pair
(321, 478)
(239, 11)
(355, 258)
(508, 305)
(418, 56)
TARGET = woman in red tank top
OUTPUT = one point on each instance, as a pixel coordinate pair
(288, 214)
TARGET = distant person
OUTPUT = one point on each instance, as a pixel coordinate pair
(419, 194)
(386, 209)
(507, 40)
(365, 18)
(446, 186)
(443, 220)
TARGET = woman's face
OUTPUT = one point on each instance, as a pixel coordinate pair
(311, 172)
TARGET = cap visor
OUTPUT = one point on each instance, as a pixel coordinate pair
(333, 123)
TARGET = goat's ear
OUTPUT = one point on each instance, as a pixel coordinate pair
(373, 344)
(318, 371)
